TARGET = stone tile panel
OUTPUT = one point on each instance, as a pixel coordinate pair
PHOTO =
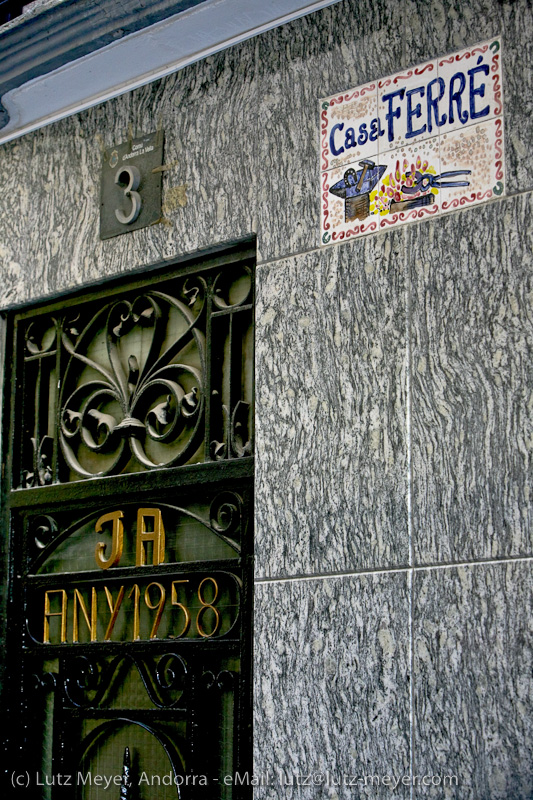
(331, 473)
(473, 687)
(331, 685)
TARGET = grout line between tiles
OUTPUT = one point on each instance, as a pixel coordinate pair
(408, 434)
(322, 576)
(323, 248)
(411, 680)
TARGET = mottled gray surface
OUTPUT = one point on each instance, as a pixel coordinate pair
(331, 487)
(342, 46)
(472, 385)
(50, 180)
(332, 683)
(473, 634)
(436, 27)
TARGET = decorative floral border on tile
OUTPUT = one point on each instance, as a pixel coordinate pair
(422, 142)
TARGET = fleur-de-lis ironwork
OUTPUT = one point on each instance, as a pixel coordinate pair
(136, 397)
(158, 378)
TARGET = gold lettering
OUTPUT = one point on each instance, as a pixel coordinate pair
(157, 537)
(159, 605)
(208, 615)
(204, 608)
(117, 542)
(136, 612)
(91, 624)
(114, 609)
(174, 598)
(48, 614)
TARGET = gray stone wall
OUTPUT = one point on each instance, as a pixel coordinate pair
(394, 395)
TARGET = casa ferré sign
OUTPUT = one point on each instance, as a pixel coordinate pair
(423, 142)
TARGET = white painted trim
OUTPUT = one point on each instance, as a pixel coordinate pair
(145, 56)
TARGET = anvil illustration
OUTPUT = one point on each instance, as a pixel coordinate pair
(355, 188)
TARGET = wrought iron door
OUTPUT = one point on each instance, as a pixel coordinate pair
(129, 505)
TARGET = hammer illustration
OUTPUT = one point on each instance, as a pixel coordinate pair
(366, 164)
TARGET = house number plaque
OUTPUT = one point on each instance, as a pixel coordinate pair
(131, 185)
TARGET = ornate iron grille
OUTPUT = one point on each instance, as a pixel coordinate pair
(130, 593)
(150, 379)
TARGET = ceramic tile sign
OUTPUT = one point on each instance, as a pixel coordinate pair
(423, 142)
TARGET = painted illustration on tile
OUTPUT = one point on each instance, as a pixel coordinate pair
(419, 143)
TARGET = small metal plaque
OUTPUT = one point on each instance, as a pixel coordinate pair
(131, 185)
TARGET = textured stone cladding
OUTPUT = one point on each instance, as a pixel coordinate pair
(394, 396)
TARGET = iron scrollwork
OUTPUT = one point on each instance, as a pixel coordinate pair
(41, 475)
(158, 378)
(88, 682)
(157, 398)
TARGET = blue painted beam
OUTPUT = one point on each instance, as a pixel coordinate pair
(56, 34)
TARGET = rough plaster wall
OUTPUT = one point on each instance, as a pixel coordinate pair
(394, 411)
